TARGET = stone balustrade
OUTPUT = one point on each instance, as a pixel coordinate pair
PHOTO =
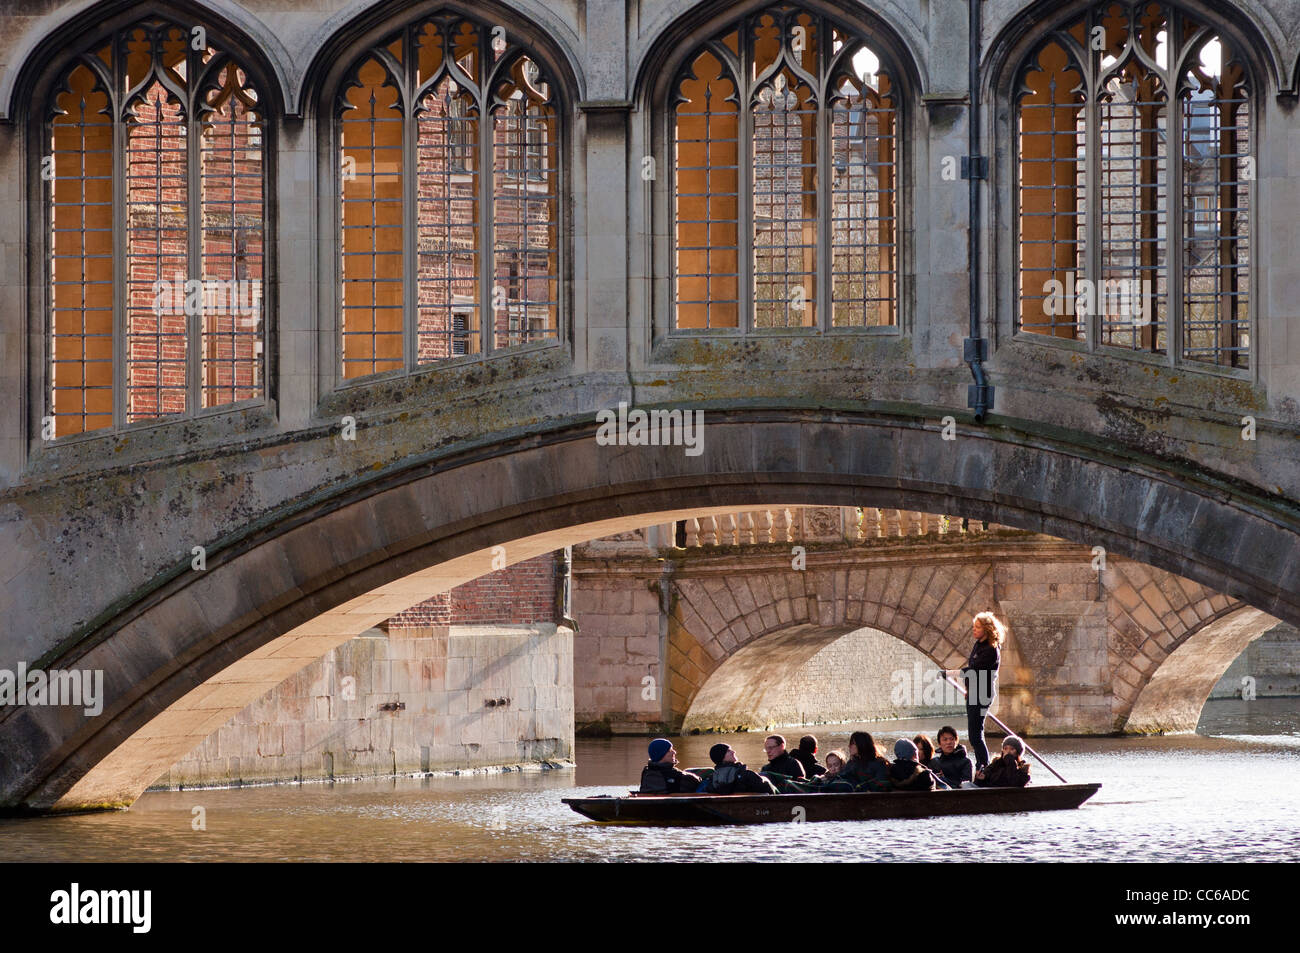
(816, 524)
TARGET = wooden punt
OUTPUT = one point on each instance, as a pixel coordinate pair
(777, 808)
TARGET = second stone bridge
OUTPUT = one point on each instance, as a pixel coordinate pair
(706, 623)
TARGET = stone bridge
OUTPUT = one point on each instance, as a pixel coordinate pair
(199, 559)
(1096, 644)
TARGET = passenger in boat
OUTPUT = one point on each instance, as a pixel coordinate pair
(925, 757)
(806, 755)
(952, 764)
(906, 773)
(866, 769)
(780, 761)
(924, 749)
(732, 777)
(981, 676)
(829, 780)
(660, 775)
(1008, 771)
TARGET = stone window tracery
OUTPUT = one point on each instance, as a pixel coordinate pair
(784, 139)
(154, 185)
(1134, 169)
(449, 199)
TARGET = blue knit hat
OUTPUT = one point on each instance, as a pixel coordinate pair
(658, 748)
(904, 750)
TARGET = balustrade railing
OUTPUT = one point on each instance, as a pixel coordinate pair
(821, 524)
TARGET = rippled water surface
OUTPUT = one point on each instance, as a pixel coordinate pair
(1228, 797)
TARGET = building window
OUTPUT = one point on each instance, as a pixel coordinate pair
(155, 190)
(449, 199)
(784, 138)
(1146, 247)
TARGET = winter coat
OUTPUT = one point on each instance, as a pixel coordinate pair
(1004, 772)
(785, 764)
(910, 776)
(981, 674)
(660, 778)
(953, 768)
(735, 778)
(868, 775)
(809, 761)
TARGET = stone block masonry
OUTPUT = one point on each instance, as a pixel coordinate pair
(413, 699)
(476, 677)
(798, 679)
(1272, 660)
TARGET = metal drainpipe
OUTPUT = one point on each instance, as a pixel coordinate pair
(979, 396)
(565, 559)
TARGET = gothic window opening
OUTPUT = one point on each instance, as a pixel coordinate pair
(449, 186)
(1134, 174)
(155, 187)
(784, 139)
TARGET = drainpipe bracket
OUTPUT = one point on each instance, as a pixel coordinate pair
(975, 349)
(974, 167)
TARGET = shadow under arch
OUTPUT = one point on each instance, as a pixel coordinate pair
(753, 686)
(203, 645)
(1172, 700)
(53, 40)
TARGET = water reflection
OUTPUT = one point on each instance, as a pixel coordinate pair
(1189, 797)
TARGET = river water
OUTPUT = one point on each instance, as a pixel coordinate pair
(1227, 793)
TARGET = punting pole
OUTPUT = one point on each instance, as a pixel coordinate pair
(962, 689)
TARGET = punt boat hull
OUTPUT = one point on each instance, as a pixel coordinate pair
(691, 809)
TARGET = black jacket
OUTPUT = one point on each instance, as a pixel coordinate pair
(981, 674)
(787, 765)
(870, 775)
(735, 778)
(910, 776)
(955, 768)
(1005, 773)
(660, 778)
(809, 762)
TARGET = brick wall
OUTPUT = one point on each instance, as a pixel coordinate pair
(521, 594)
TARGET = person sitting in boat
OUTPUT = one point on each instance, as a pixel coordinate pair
(806, 755)
(906, 773)
(829, 780)
(924, 749)
(1008, 771)
(780, 761)
(925, 758)
(731, 776)
(866, 769)
(660, 775)
(952, 764)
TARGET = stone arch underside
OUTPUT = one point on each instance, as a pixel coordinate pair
(780, 679)
(717, 617)
(1173, 696)
(200, 646)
